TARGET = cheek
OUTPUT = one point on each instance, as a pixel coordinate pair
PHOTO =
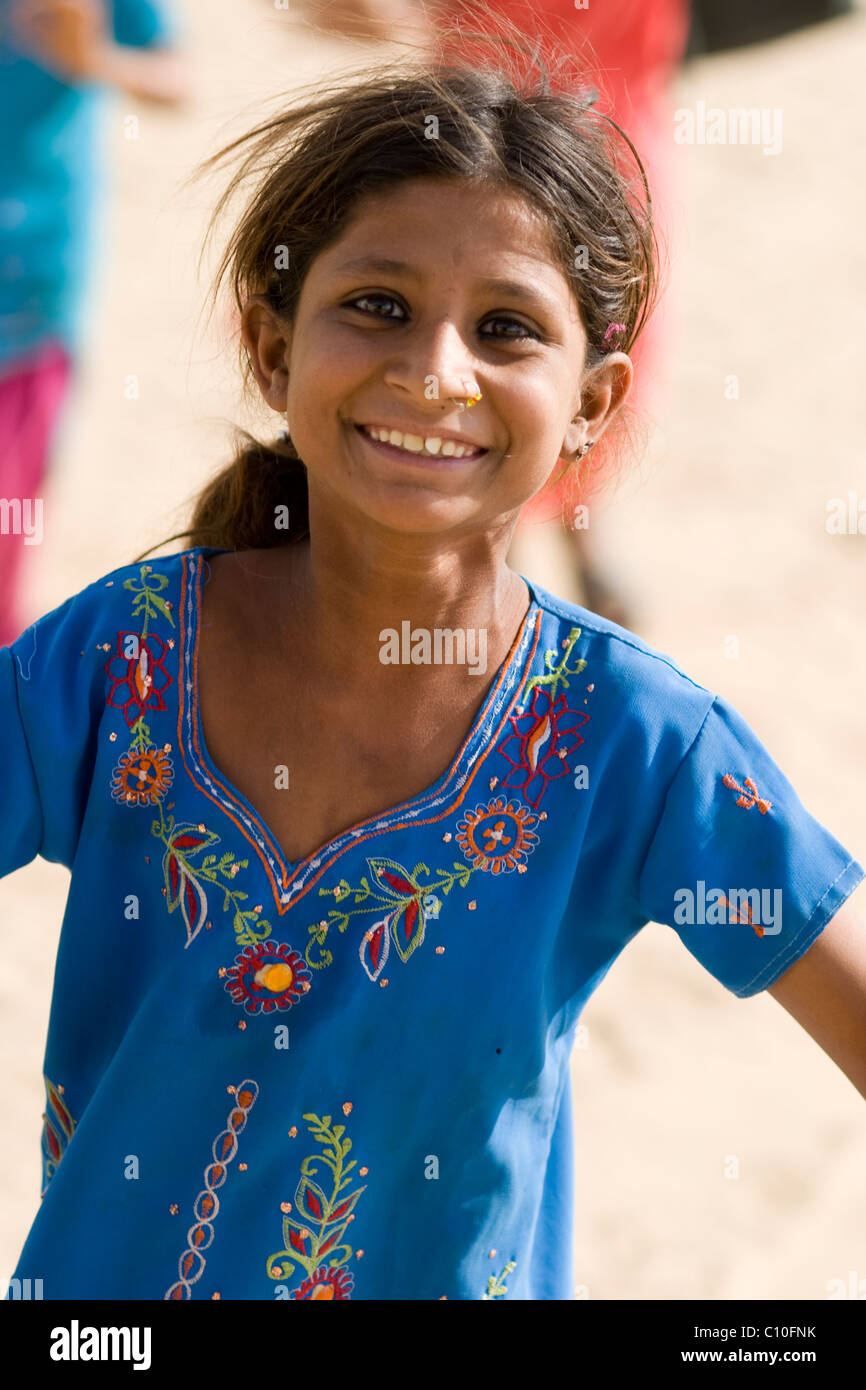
(318, 362)
(536, 428)
(332, 359)
(320, 383)
(536, 419)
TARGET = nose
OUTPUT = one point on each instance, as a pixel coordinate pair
(437, 365)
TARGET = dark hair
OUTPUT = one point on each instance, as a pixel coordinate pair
(502, 123)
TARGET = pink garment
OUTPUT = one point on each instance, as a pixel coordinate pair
(32, 392)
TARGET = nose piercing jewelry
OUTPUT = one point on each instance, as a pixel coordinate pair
(466, 403)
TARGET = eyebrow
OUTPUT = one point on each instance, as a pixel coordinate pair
(386, 265)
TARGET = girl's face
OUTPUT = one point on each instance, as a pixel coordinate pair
(432, 288)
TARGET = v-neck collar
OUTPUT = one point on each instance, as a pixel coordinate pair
(290, 879)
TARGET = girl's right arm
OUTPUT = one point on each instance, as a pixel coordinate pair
(52, 693)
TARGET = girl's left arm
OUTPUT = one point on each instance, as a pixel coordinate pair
(825, 990)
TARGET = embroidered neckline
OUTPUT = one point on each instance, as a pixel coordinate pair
(291, 879)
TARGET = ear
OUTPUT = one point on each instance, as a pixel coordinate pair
(603, 391)
(267, 339)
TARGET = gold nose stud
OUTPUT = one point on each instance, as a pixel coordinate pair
(467, 402)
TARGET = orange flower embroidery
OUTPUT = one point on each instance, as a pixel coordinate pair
(142, 778)
(748, 794)
(497, 837)
(745, 920)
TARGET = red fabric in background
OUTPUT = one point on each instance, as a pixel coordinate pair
(630, 50)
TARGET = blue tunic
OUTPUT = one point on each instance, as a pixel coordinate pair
(347, 1077)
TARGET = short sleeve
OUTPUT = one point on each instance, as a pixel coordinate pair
(20, 806)
(51, 694)
(144, 23)
(737, 866)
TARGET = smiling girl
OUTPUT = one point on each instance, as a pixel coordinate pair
(333, 920)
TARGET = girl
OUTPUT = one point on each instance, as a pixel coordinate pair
(631, 51)
(358, 818)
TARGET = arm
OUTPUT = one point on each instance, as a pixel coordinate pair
(381, 20)
(825, 990)
(152, 74)
(71, 39)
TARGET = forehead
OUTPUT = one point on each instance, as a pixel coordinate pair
(449, 227)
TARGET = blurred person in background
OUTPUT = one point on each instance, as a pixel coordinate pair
(58, 61)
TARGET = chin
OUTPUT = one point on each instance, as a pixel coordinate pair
(408, 519)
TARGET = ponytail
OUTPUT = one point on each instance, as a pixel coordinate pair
(257, 501)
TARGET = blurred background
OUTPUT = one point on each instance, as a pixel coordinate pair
(715, 540)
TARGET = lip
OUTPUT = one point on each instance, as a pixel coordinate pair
(428, 460)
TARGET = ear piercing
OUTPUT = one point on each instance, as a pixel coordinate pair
(585, 448)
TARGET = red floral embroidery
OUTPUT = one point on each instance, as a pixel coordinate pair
(544, 736)
(497, 837)
(57, 1130)
(326, 1283)
(138, 675)
(404, 905)
(320, 1218)
(186, 874)
(183, 888)
(267, 977)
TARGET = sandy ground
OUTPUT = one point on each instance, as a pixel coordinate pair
(720, 532)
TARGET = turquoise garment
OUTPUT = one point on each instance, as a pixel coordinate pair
(51, 177)
(347, 1077)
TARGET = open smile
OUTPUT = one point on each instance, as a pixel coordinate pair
(431, 448)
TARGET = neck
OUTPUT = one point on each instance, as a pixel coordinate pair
(350, 583)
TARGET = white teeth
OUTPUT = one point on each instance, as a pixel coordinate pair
(415, 444)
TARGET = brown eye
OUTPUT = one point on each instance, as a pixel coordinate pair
(365, 299)
(525, 332)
